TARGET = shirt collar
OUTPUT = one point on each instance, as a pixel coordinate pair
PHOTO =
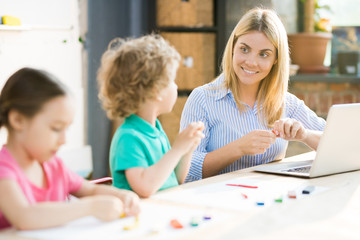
(219, 89)
(145, 127)
(222, 92)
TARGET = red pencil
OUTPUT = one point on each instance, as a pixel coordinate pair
(275, 132)
(240, 185)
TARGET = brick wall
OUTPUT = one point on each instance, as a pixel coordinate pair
(319, 96)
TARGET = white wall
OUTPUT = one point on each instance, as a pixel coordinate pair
(343, 13)
(49, 41)
(287, 10)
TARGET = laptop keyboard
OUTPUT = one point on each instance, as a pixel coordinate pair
(304, 169)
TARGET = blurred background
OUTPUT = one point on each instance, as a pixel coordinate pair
(68, 37)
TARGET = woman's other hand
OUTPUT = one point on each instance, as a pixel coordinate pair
(289, 129)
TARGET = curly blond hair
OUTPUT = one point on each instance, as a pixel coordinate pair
(133, 71)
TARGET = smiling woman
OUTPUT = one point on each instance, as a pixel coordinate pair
(248, 114)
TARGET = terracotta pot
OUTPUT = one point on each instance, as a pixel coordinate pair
(308, 51)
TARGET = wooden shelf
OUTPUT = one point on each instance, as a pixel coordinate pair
(188, 29)
(34, 27)
(13, 28)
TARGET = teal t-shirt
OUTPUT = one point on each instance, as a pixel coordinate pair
(136, 143)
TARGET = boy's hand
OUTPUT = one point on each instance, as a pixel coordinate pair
(200, 136)
(189, 138)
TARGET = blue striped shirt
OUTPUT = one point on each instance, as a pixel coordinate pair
(216, 107)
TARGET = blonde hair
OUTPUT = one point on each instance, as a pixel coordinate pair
(133, 71)
(273, 87)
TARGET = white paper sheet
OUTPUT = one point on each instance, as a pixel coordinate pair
(220, 195)
(153, 216)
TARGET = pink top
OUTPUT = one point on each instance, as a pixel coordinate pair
(60, 181)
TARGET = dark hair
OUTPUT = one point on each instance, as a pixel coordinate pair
(26, 91)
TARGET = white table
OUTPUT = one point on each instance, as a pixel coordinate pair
(333, 213)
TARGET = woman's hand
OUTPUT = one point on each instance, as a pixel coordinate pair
(255, 142)
(290, 129)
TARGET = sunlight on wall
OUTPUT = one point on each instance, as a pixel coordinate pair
(49, 42)
(343, 13)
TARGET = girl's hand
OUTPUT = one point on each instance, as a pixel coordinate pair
(255, 142)
(131, 202)
(189, 138)
(105, 207)
(290, 129)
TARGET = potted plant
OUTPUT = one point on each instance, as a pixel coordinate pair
(308, 49)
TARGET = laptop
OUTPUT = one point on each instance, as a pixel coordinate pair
(338, 150)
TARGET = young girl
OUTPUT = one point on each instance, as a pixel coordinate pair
(137, 82)
(36, 109)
